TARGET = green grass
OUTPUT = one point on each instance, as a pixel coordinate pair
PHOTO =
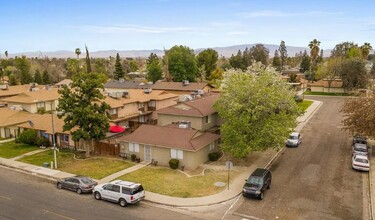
(304, 104)
(97, 168)
(174, 183)
(327, 93)
(11, 149)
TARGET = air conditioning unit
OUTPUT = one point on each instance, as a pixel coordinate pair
(185, 82)
(34, 89)
(16, 107)
(115, 94)
(184, 124)
(125, 94)
(200, 92)
(147, 91)
(4, 87)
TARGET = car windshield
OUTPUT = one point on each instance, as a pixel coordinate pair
(360, 160)
(87, 180)
(254, 181)
(360, 149)
(292, 137)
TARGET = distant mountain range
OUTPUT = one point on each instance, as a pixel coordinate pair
(223, 51)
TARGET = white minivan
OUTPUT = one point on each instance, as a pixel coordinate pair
(119, 191)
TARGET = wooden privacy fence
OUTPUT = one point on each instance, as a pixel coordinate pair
(107, 148)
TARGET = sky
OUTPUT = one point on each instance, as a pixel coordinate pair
(50, 25)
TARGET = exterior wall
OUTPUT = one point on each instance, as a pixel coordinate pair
(196, 122)
(325, 89)
(163, 104)
(214, 121)
(191, 160)
(129, 109)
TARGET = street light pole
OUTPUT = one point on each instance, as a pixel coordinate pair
(53, 139)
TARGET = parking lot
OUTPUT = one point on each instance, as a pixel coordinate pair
(315, 180)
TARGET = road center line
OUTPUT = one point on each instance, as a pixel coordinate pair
(62, 216)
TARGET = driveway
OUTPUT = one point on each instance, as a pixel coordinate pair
(315, 180)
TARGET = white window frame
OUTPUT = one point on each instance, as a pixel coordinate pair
(151, 104)
(212, 146)
(177, 154)
(112, 111)
(133, 147)
(208, 119)
(141, 105)
(40, 105)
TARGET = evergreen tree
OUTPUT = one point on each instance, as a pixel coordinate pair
(208, 58)
(88, 60)
(38, 77)
(119, 72)
(305, 64)
(23, 67)
(154, 70)
(283, 55)
(259, 53)
(276, 63)
(45, 77)
(238, 61)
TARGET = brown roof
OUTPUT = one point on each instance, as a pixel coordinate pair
(170, 137)
(15, 90)
(64, 82)
(34, 96)
(199, 107)
(178, 86)
(138, 95)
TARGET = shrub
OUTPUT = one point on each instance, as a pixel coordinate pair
(214, 156)
(42, 141)
(133, 157)
(173, 163)
(28, 137)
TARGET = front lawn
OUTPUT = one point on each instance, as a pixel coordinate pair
(327, 93)
(97, 168)
(304, 104)
(12, 149)
(174, 183)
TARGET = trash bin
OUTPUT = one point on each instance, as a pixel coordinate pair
(45, 164)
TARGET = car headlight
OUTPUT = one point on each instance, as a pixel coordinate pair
(257, 192)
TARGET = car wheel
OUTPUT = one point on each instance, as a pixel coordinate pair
(59, 185)
(269, 186)
(79, 191)
(97, 196)
(261, 196)
(123, 203)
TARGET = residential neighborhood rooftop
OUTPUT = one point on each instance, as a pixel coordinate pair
(179, 86)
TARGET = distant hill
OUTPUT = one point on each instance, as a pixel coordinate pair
(223, 51)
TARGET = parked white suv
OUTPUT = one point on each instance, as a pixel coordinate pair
(122, 192)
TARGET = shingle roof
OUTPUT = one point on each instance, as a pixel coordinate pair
(178, 86)
(116, 84)
(34, 97)
(15, 90)
(199, 107)
(170, 137)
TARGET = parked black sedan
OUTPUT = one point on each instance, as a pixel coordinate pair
(79, 184)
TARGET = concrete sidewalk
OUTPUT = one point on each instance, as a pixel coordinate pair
(372, 182)
(235, 187)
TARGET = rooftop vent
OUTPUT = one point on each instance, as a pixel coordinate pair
(147, 91)
(185, 82)
(121, 80)
(184, 124)
(4, 87)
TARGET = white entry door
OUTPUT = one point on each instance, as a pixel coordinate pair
(147, 153)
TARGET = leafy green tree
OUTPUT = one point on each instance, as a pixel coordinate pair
(330, 71)
(366, 48)
(259, 53)
(201, 73)
(83, 108)
(154, 70)
(247, 59)
(182, 64)
(133, 66)
(305, 64)
(101, 66)
(258, 110)
(354, 52)
(216, 77)
(208, 58)
(119, 72)
(237, 61)
(72, 67)
(38, 77)
(45, 78)
(283, 54)
(276, 62)
(78, 52)
(353, 73)
(23, 66)
(13, 80)
(342, 49)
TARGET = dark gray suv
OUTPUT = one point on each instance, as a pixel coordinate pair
(257, 183)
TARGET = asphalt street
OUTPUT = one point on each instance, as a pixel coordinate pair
(23, 196)
(315, 180)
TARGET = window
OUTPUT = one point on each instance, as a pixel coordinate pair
(141, 105)
(113, 111)
(212, 146)
(40, 105)
(133, 147)
(115, 188)
(126, 191)
(141, 119)
(151, 103)
(208, 119)
(177, 154)
(65, 137)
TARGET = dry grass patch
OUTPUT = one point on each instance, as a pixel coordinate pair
(174, 183)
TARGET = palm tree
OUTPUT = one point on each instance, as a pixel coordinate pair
(314, 47)
(6, 54)
(366, 47)
(78, 52)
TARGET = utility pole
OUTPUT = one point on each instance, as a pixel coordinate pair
(53, 139)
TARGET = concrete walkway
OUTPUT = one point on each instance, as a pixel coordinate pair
(123, 172)
(29, 153)
(235, 187)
